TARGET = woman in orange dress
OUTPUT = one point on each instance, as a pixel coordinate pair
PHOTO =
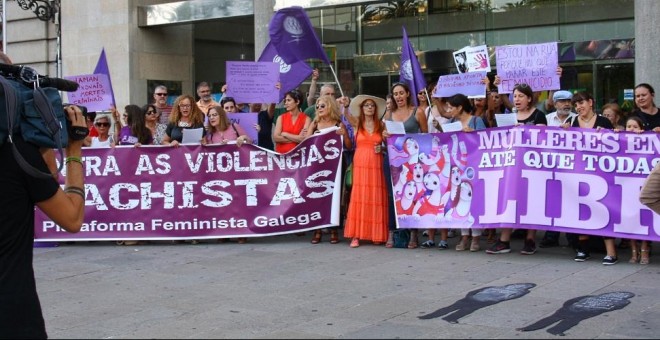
(367, 210)
(291, 127)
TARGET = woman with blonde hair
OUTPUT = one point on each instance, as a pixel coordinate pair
(185, 115)
(327, 116)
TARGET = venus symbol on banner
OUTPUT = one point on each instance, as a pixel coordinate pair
(294, 28)
(407, 70)
(284, 67)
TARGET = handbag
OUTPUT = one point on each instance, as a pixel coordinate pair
(348, 176)
(401, 238)
(41, 122)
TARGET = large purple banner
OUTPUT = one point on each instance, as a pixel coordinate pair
(568, 180)
(197, 192)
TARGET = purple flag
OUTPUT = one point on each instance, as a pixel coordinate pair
(290, 75)
(293, 36)
(102, 68)
(410, 72)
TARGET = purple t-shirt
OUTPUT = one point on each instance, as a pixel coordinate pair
(126, 137)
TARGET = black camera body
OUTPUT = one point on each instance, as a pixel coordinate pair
(76, 132)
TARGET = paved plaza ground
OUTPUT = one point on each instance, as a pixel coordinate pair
(285, 287)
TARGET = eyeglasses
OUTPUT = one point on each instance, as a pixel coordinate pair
(161, 94)
(151, 112)
(185, 106)
(369, 105)
(102, 124)
(320, 106)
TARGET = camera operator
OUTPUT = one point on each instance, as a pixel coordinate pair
(20, 310)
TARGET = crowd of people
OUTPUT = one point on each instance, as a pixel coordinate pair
(368, 212)
(368, 209)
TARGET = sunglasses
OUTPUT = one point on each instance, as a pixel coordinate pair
(369, 105)
(320, 106)
(102, 124)
(184, 106)
(161, 94)
(151, 112)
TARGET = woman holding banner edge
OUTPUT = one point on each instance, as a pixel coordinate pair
(588, 119)
(414, 121)
(526, 114)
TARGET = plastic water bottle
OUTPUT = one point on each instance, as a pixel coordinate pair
(514, 110)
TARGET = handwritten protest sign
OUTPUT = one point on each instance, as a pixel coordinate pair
(253, 82)
(94, 92)
(534, 65)
(468, 84)
(246, 121)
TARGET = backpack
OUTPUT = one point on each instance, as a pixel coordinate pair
(37, 115)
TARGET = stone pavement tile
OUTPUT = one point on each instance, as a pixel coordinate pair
(445, 330)
(324, 327)
(389, 330)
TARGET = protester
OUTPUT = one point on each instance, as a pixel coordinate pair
(104, 139)
(414, 121)
(588, 119)
(20, 311)
(613, 112)
(152, 122)
(562, 103)
(222, 131)
(160, 101)
(264, 125)
(185, 115)
(291, 126)
(645, 107)
(229, 105)
(136, 131)
(367, 211)
(326, 90)
(527, 114)
(563, 113)
(205, 101)
(460, 108)
(639, 254)
(327, 116)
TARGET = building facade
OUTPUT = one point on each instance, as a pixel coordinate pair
(606, 46)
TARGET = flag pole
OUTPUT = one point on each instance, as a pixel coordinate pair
(336, 80)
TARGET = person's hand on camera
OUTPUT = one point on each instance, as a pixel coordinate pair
(78, 129)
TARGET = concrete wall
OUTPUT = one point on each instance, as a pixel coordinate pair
(31, 41)
(134, 55)
(647, 30)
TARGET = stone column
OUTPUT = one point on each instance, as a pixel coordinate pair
(647, 31)
(263, 12)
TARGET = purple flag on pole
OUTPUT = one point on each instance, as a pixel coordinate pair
(410, 72)
(290, 75)
(293, 36)
(102, 68)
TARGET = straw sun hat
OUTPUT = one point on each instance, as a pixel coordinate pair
(357, 101)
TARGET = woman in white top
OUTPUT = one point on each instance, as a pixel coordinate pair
(104, 139)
